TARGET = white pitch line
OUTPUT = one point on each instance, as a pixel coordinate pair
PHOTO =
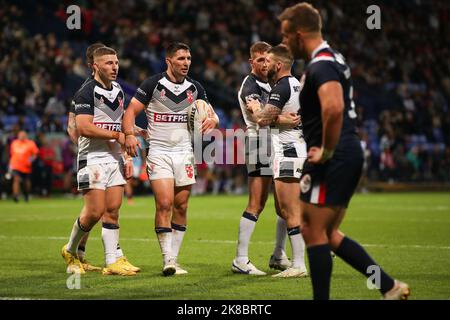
(20, 298)
(219, 241)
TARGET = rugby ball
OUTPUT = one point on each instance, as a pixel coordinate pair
(197, 112)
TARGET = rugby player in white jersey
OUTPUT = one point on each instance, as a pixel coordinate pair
(289, 149)
(166, 97)
(102, 165)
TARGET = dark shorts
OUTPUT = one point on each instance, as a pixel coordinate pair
(20, 174)
(332, 183)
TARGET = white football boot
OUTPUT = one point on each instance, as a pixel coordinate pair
(292, 273)
(246, 268)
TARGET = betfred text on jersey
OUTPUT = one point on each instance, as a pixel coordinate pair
(168, 117)
(111, 126)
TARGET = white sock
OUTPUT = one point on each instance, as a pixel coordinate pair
(178, 232)
(298, 248)
(119, 252)
(75, 237)
(246, 226)
(110, 237)
(280, 238)
(165, 242)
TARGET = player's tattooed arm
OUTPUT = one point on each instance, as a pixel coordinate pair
(72, 128)
(264, 116)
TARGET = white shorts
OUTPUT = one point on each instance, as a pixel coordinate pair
(179, 167)
(101, 176)
(288, 160)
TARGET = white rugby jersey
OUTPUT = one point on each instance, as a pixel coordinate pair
(252, 88)
(285, 95)
(166, 105)
(106, 105)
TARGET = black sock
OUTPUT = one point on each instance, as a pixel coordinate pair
(320, 265)
(351, 252)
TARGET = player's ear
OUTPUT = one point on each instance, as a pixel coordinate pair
(168, 61)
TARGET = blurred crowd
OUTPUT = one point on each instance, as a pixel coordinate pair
(401, 72)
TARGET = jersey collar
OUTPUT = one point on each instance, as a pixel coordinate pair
(168, 78)
(323, 45)
(258, 78)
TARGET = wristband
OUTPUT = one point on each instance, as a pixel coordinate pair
(129, 133)
(116, 135)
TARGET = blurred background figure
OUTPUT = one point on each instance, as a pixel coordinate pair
(47, 157)
(22, 154)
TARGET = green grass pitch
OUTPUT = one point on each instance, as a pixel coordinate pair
(408, 234)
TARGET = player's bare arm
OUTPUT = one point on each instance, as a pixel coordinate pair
(128, 165)
(131, 143)
(288, 120)
(72, 128)
(265, 116)
(332, 104)
(88, 129)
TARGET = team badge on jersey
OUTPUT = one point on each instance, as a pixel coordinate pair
(189, 170)
(305, 183)
(190, 96)
(163, 95)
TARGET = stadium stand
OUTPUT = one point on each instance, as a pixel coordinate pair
(401, 72)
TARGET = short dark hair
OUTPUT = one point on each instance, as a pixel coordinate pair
(282, 52)
(173, 47)
(302, 16)
(90, 52)
(259, 47)
(103, 51)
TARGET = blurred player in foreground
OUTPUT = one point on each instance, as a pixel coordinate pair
(335, 157)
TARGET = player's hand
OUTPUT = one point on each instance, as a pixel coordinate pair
(141, 132)
(207, 125)
(289, 119)
(318, 155)
(132, 145)
(253, 104)
(128, 168)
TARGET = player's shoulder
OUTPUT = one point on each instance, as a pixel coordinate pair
(252, 84)
(149, 84)
(293, 80)
(86, 89)
(283, 84)
(117, 85)
(194, 82)
(326, 60)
